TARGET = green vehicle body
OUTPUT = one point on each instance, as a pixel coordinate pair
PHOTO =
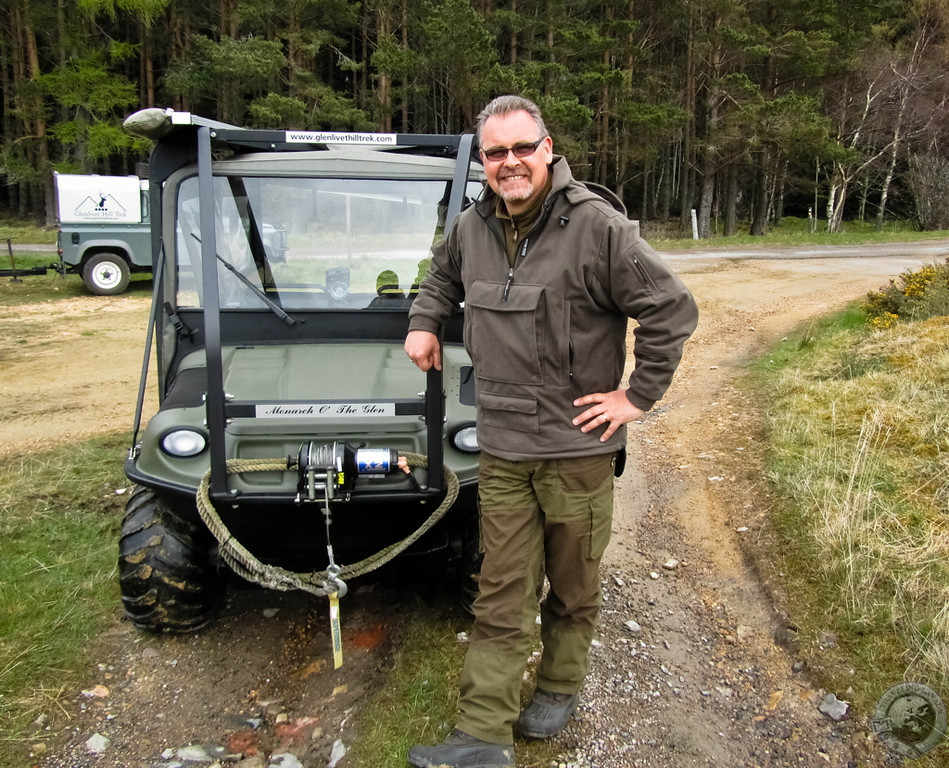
(285, 267)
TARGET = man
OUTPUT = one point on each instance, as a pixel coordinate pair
(549, 270)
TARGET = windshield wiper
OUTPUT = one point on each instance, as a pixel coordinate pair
(275, 308)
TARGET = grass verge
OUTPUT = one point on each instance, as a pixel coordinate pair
(667, 234)
(859, 460)
(417, 702)
(791, 232)
(57, 577)
(32, 288)
(53, 286)
(20, 231)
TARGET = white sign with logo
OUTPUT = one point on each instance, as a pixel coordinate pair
(90, 198)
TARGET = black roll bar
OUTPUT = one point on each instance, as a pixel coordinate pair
(216, 397)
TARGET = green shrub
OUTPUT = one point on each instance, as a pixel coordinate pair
(913, 296)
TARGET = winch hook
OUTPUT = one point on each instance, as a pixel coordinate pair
(333, 580)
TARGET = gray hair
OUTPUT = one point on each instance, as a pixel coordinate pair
(505, 105)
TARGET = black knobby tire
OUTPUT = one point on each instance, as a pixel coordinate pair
(166, 576)
(106, 274)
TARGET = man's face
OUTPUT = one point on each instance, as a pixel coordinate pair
(517, 180)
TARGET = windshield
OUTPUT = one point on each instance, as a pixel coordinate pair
(313, 243)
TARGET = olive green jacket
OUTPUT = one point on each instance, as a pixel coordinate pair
(553, 327)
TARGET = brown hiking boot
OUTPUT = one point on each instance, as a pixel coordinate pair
(460, 750)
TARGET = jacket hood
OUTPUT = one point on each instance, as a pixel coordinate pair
(579, 191)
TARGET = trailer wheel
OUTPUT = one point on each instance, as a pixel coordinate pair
(166, 577)
(106, 274)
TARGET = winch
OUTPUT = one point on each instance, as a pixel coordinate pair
(328, 471)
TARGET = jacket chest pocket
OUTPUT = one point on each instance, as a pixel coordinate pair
(506, 336)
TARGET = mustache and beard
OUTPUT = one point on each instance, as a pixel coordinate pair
(515, 185)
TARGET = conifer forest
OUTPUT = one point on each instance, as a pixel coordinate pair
(741, 110)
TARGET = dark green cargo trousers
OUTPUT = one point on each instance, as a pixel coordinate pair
(538, 518)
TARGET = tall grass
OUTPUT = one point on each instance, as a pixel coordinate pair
(859, 438)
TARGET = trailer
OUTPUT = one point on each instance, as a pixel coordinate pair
(15, 273)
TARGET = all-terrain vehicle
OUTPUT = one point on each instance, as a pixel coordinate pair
(294, 442)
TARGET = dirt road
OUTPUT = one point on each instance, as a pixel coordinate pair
(686, 669)
(70, 368)
(709, 678)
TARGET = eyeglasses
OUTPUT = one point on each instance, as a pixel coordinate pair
(522, 149)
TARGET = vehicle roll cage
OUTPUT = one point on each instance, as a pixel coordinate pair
(183, 139)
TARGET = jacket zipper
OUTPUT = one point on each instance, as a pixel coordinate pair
(544, 215)
(510, 273)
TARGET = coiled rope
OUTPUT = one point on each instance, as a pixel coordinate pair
(247, 566)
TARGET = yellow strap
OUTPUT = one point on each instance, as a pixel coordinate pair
(335, 629)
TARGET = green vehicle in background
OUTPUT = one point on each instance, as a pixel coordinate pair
(294, 442)
(104, 232)
(104, 229)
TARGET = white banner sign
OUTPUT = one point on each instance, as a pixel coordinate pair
(325, 410)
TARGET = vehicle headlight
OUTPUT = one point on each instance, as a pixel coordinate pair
(184, 443)
(465, 439)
